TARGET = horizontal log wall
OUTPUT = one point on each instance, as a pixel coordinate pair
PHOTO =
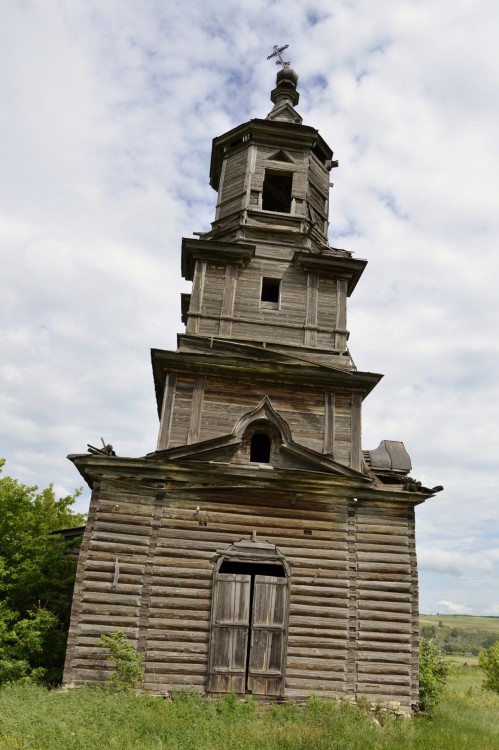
(167, 557)
(385, 604)
(148, 564)
(110, 579)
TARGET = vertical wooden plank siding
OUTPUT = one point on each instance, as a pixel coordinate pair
(341, 314)
(224, 404)
(326, 313)
(342, 428)
(311, 312)
(222, 180)
(251, 162)
(196, 410)
(197, 293)
(232, 193)
(356, 449)
(181, 418)
(229, 293)
(268, 636)
(229, 633)
(167, 412)
(329, 401)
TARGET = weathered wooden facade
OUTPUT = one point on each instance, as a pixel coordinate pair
(258, 549)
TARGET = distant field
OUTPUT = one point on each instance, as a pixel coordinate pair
(461, 637)
(468, 622)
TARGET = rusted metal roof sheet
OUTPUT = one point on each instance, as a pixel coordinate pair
(390, 455)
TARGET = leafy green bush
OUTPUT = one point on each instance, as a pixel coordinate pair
(23, 642)
(433, 673)
(36, 581)
(489, 662)
(128, 672)
(428, 631)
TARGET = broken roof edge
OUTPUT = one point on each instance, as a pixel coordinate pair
(390, 464)
(154, 473)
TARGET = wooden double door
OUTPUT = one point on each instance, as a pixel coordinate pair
(248, 635)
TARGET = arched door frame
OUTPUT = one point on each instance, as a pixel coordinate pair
(249, 621)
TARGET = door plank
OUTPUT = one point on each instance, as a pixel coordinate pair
(229, 633)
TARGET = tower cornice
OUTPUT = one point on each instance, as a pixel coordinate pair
(271, 133)
(239, 253)
(328, 264)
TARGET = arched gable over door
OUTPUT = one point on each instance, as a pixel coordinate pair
(249, 620)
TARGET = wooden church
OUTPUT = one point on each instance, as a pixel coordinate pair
(258, 550)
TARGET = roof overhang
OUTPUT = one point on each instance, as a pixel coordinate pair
(268, 366)
(271, 133)
(238, 253)
(156, 474)
(337, 266)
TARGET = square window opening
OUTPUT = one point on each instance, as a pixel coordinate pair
(270, 290)
(276, 195)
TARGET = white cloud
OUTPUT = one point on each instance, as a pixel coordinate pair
(109, 111)
(454, 563)
(455, 609)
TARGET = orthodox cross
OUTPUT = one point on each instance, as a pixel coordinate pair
(277, 53)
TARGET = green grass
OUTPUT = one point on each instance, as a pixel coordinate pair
(92, 718)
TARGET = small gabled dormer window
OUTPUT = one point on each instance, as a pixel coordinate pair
(260, 448)
(277, 188)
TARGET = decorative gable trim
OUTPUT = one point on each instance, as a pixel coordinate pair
(281, 156)
(286, 113)
(264, 411)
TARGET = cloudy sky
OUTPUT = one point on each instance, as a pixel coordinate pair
(108, 108)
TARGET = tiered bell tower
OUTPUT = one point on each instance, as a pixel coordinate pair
(267, 287)
(258, 549)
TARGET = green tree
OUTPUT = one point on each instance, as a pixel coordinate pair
(489, 662)
(36, 581)
(428, 631)
(432, 675)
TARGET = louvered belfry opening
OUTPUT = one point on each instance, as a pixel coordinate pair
(248, 628)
